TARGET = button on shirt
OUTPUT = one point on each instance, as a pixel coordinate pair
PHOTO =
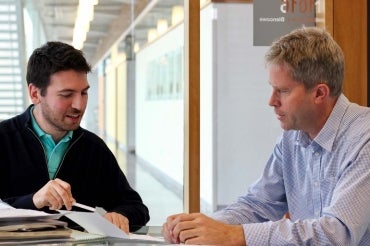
(54, 152)
(324, 184)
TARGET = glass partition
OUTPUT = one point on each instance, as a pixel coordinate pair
(144, 96)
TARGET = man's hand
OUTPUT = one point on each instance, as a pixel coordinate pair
(54, 194)
(199, 229)
(119, 220)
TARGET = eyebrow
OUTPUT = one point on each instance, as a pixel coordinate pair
(71, 90)
(273, 85)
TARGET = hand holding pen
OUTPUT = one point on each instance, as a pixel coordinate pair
(55, 194)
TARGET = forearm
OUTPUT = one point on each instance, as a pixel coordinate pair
(249, 209)
(24, 202)
(323, 231)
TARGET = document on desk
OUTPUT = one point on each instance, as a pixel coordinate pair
(4, 205)
(9, 213)
(94, 223)
(12, 214)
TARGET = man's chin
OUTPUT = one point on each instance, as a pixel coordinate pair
(285, 126)
(72, 127)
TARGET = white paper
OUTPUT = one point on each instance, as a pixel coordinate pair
(4, 205)
(145, 237)
(94, 223)
(13, 214)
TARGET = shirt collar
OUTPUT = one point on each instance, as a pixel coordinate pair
(328, 133)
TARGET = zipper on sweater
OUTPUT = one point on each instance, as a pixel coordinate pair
(42, 146)
(69, 147)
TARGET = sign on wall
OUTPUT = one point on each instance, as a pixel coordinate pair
(274, 18)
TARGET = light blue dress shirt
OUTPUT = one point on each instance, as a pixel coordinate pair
(324, 184)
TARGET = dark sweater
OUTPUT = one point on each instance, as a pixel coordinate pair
(88, 166)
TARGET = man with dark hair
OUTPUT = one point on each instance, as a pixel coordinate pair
(47, 161)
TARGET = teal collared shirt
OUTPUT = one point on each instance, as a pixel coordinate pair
(54, 152)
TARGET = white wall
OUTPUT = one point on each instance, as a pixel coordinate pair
(245, 126)
(160, 123)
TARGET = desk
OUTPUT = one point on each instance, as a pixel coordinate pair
(154, 231)
(96, 242)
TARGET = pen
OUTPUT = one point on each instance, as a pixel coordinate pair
(76, 204)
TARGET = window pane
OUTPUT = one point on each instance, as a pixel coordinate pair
(144, 106)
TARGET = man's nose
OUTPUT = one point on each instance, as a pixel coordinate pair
(273, 100)
(79, 102)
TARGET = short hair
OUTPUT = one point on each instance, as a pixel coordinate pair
(312, 57)
(53, 57)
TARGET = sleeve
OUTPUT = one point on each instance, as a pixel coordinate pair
(25, 202)
(345, 221)
(265, 199)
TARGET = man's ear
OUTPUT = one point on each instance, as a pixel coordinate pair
(34, 93)
(322, 92)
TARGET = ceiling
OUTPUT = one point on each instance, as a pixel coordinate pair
(112, 22)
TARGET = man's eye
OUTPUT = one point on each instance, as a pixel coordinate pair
(66, 95)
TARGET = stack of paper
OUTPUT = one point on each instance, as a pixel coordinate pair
(18, 224)
(25, 224)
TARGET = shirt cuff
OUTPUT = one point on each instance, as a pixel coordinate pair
(257, 233)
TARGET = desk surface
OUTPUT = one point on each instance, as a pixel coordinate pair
(104, 241)
(153, 231)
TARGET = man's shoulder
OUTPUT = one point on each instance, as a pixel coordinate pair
(11, 124)
(357, 117)
(88, 136)
(354, 127)
(90, 142)
(17, 122)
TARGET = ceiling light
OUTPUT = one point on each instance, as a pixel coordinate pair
(177, 14)
(152, 34)
(85, 14)
(162, 26)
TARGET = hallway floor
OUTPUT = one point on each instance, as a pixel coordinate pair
(161, 201)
